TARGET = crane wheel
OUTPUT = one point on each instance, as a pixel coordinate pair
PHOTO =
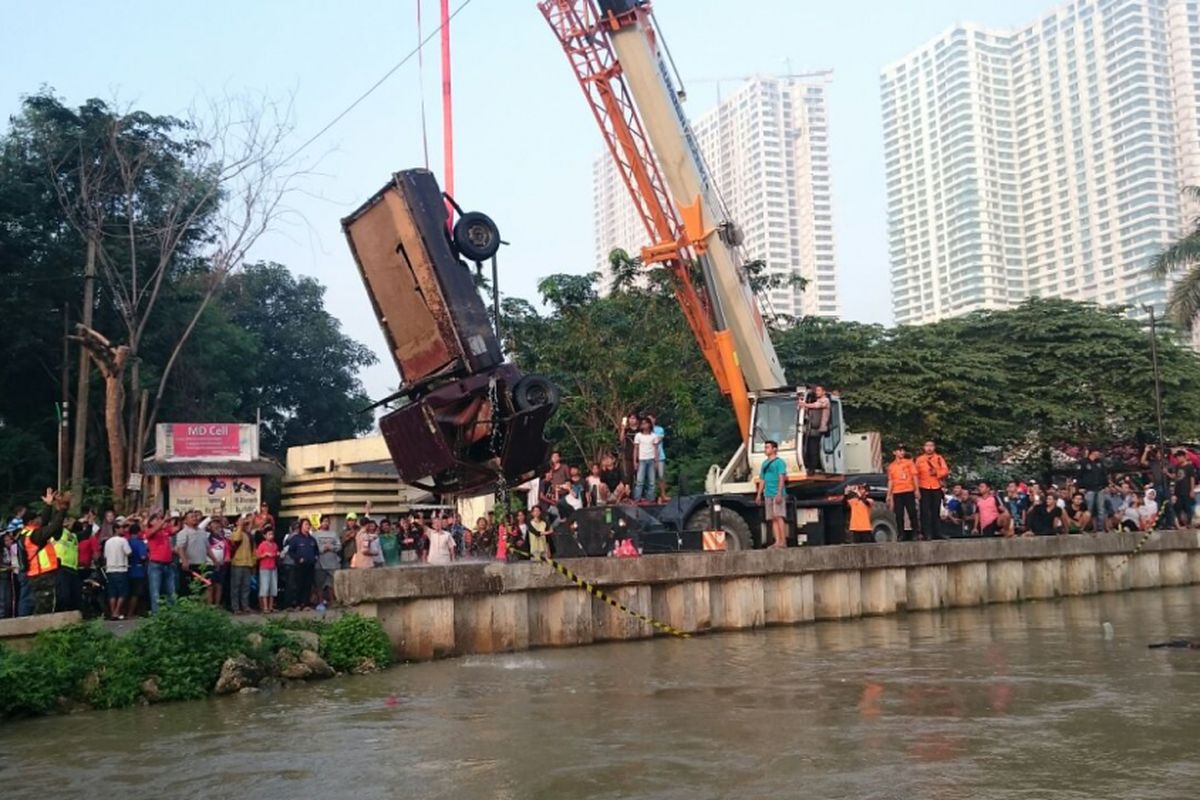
(737, 529)
(476, 236)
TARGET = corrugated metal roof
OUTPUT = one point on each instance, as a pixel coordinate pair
(202, 469)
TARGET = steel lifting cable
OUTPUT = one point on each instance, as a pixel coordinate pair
(421, 85)
(371, 89)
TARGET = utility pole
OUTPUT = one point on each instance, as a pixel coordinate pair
(81, 391)
(1157, 378)
(64, 416)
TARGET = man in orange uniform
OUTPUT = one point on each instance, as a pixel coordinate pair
(931, 473)
(902, 493)
(860, 504)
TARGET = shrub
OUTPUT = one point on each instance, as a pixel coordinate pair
(347, 641)
(184, 645)
(53, 669)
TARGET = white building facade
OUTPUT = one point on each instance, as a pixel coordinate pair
(1046, 161)
(767, 147)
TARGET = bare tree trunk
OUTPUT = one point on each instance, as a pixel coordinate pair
(133, 396)
(166, 373)
(81, 390)
(142, 434)
(114, 420)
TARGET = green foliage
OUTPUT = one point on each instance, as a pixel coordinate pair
(628, 351)
(54, 670)
(351, 639)
(1045, 373)
(184, 645)
(1182, 256)
(266, 341)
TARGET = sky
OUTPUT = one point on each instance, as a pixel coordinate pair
(524, 141)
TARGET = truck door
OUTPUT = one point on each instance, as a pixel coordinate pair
(776, 418)
(833, 456)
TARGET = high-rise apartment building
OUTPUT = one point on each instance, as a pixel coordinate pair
(767, 148)
(1045, 161)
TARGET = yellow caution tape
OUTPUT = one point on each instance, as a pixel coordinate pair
(599, 594)
(1141, 543)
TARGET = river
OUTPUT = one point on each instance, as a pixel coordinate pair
(1007, 701)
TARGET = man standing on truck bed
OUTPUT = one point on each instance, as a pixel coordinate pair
(931, 472)
(902, 493)
(772, 493)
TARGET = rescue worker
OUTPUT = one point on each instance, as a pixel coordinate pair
(40, 556)
(931, 474)
(902, 494)
(66, 545)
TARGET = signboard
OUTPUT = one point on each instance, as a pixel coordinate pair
(219, 494)
(205, 441)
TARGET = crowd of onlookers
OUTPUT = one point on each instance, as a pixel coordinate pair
(1159, 492)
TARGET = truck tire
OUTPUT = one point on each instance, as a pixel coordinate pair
(737, 529)
(883, 524)
(533, 391)
(476, 236)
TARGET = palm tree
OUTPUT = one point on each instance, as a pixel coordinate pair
(1183, 255)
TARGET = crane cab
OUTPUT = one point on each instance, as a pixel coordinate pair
(779, 417)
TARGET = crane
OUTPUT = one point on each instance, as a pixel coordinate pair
(613, 48)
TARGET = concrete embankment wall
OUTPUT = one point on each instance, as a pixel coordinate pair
(436, 612)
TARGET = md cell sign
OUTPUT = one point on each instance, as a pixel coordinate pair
(210, 441)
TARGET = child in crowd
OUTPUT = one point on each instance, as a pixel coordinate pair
(267, 553)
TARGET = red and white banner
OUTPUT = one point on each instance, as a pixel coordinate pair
(206, 441)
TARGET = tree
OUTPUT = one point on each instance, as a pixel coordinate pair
(1182, 256)
(157, 199)
(296, 365)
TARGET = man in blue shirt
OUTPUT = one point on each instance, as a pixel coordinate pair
(772, 493)
(660, 464)
(139, 554)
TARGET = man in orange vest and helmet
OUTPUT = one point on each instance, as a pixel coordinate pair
(37, 550)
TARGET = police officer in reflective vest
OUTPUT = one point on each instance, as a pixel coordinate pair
(66, 547)
(37, 548)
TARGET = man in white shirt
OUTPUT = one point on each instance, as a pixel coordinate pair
(116, 560)
(441, 544)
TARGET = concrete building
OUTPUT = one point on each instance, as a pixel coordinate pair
(767, 146)
(1043, 161)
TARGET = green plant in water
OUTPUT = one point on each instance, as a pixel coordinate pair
(351, 639)
(183, 647)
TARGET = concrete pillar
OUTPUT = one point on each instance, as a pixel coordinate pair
(837, 594)
(1006, 581)
(559, 617)
(899, 586)
(927, 587)
(491, 623)
(1114, 573)
(1078, 576)
(1145, 571)
(609, 622)
(737, 603)
(685, 606)
(878, 591)
(419, 630)
(1194, 566)
(1042, 577)
(788, 599)
(1173, 567)
(968, 584)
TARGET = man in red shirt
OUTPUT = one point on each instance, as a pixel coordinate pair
(161, 566)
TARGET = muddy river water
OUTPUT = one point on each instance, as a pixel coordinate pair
(1011, 701)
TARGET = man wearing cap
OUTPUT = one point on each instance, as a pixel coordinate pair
(41, 559)
(161, 572)
(902, 493)
(932, 470)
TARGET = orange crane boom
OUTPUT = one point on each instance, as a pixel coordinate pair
(677, 235)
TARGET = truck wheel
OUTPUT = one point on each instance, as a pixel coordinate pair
(533, 391)
(737, 529)
(476, 236)
(883, 525)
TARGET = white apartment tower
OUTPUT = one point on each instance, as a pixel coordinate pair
(1046, 161)
(767, 147)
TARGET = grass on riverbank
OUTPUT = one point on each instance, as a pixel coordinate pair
(175, 655)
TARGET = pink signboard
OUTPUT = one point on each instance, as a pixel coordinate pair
(197, 440)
